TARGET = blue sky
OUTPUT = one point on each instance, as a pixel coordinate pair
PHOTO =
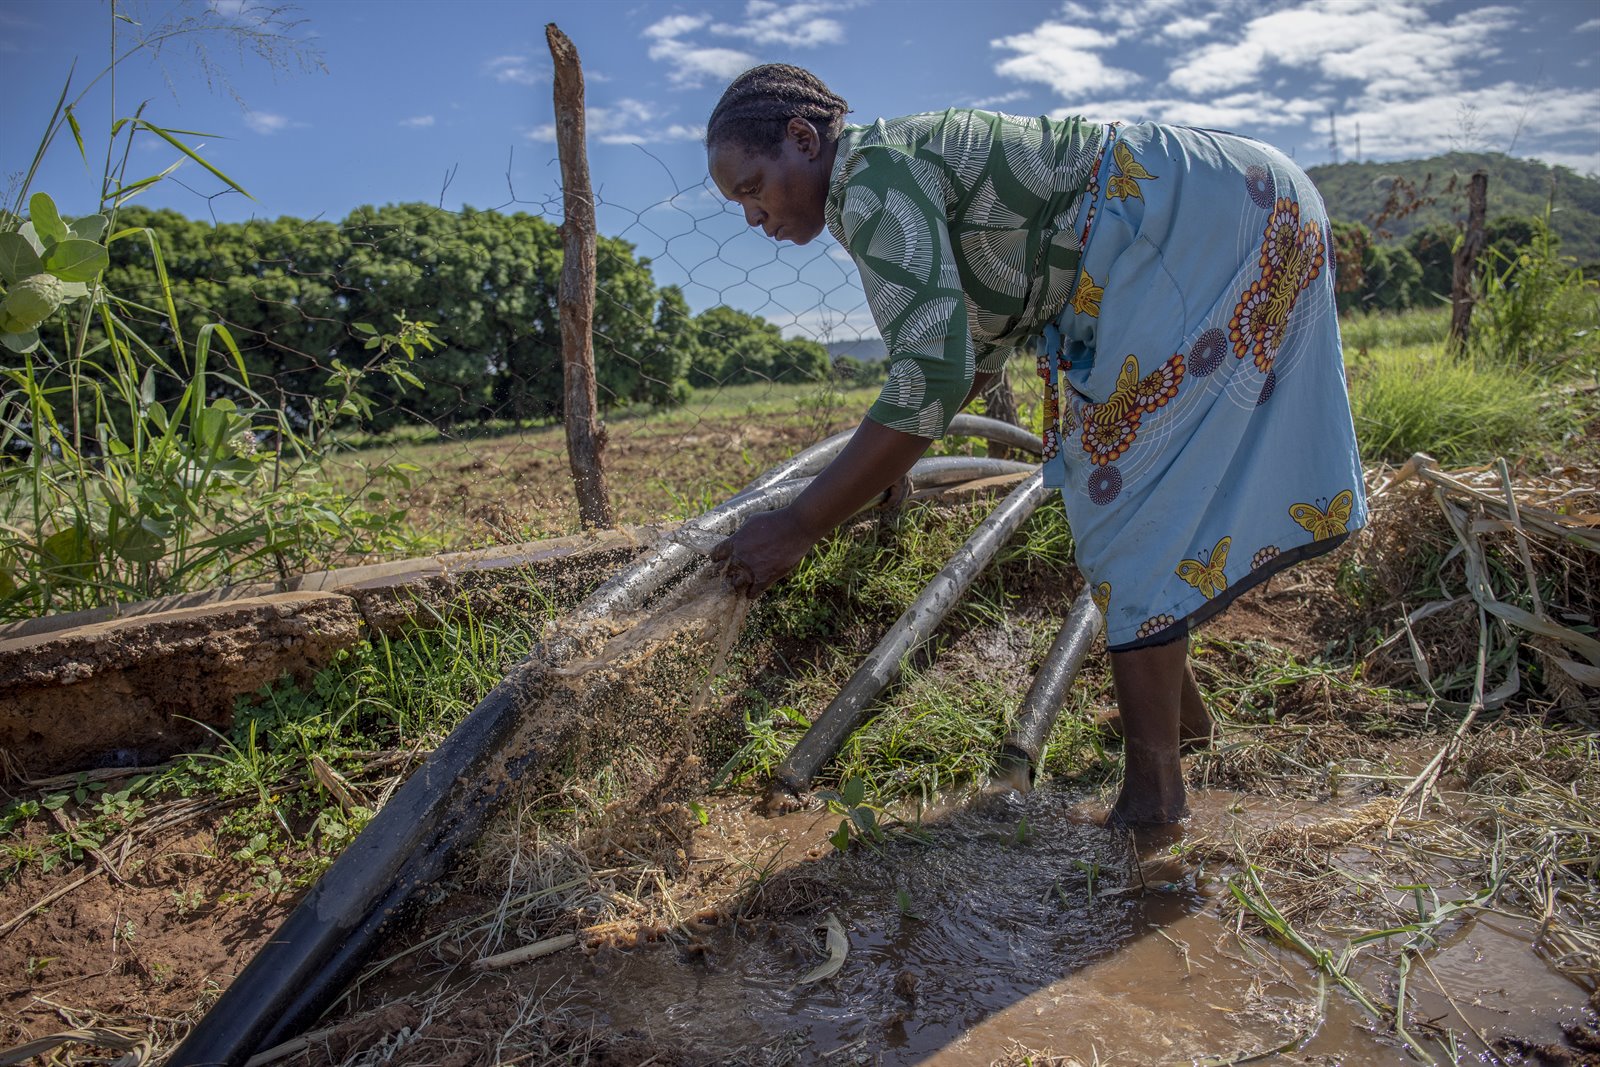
(451, 102)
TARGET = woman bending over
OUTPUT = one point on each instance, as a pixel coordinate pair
(1177, 286)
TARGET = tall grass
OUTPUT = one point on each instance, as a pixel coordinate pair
(1536, 309)
(1458, 409)
(1384, 329)
(136, 462)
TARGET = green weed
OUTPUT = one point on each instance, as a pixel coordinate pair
(1460, 409)
(132, 458)
(1383, 329)
(1536, 309)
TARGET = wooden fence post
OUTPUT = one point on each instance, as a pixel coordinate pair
(1466, 261)
(999, 402)
(586, 437)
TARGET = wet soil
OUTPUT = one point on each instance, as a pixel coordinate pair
(997, 927)
(1007, 930)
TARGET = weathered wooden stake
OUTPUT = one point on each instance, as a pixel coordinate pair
(586, 437)
(999, 402)
(1466, 260)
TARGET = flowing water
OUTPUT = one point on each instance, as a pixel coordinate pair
(1001, 925)
(982, 939)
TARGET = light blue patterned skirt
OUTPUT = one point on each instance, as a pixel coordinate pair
(1204, 439)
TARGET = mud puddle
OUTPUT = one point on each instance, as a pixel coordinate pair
(1018, 929)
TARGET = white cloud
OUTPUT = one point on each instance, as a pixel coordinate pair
(676, 41)
(1584, 27)
(1004, 98)
(246, 12)
(676, 26)
(418, 122)
(1419, 77)
(692, 64)
(1494, 118)
(1062, 57)
(1234, 111)
(515, 70)
(628, 121)
(1396, 48)
(794, 25)
(266, 123)
(1185, 27)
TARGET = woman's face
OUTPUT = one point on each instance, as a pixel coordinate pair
(784, 195)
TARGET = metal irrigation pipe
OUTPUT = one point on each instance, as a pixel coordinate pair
(628, 590)
(410, 843)
(963, 425)
(841, 718)
(1024, 743)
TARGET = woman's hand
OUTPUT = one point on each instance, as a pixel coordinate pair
(766, 548)
(769, 545)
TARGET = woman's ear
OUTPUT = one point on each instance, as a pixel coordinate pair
(805, 136)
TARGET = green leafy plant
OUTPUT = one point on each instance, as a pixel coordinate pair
(136, 461)
(860, 822)
(1536, 308)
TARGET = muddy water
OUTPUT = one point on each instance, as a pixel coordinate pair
(984, 938)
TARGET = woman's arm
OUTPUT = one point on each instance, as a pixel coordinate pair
(771, 545)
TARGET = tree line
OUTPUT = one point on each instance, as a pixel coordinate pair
(293, 291)
(1373, 273)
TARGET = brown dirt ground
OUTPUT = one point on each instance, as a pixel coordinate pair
(519, 487)
(152, 944)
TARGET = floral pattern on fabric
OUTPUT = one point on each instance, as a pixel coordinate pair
(1154, 625)
(1110, 429)
(1052, 408)
(1264, 556)
(1292, 256)
(1091, 195)
(1183, 508)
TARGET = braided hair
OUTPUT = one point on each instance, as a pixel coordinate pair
(754, 112)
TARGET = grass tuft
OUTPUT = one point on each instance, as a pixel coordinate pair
(1458, 409)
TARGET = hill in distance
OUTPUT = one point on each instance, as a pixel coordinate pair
(866, 349)
(1356, 192)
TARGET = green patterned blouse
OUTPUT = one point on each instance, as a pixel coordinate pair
(961, 224)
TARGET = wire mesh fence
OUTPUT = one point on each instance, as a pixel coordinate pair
(240, 402)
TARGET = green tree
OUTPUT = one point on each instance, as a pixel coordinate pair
(624, 326)
(1433, 247)
(663, 379)
(736, 347)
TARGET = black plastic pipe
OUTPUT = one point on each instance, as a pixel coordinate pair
(408, 844)
(1042, 704)
(882, 666)
(370, 888)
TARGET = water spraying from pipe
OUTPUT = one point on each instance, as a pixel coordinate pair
(372, 887)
